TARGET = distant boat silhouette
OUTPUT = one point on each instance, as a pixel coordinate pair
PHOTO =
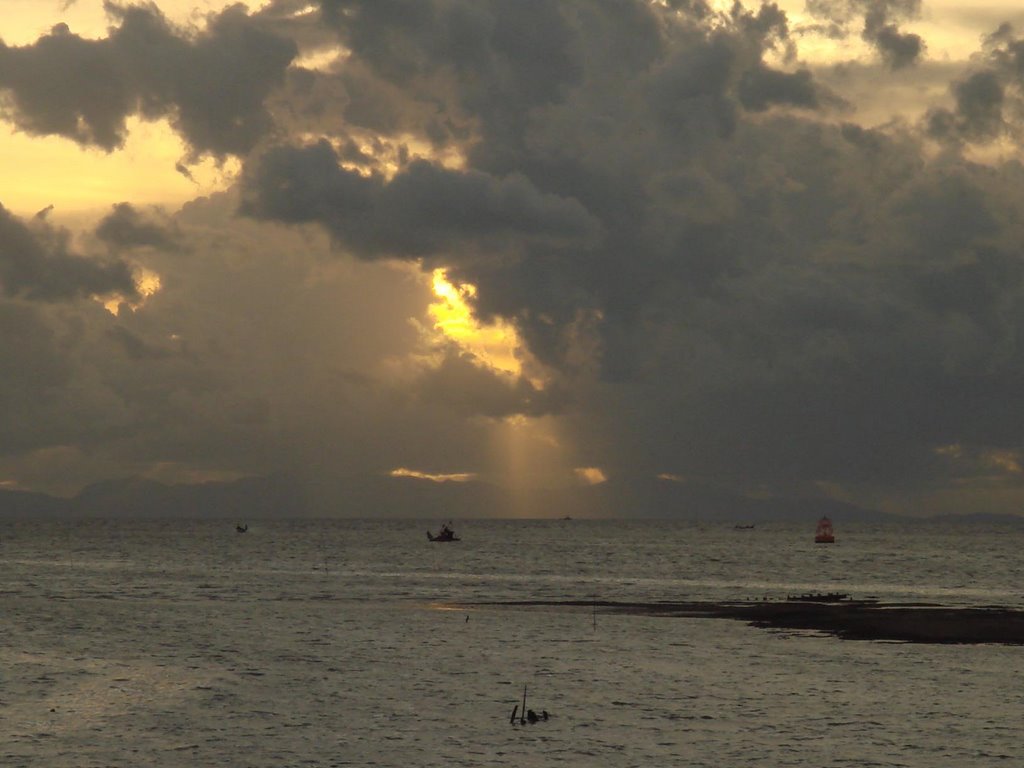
(242, 528)
(824, 533)
(445, 534)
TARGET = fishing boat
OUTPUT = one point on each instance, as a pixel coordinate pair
(824, 533)
(445, 534)
(242, 528)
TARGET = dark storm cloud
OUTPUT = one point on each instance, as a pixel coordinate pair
(503, 59)
(642, 68)
(126, 227)
(762, 87)
(514, 50)
(876, 329)
(738, 287)
(211, 84)
(978, 115)
(711, 73)
(897, 49)
(881, 30)
(719, 279)
(423, 210)
(135, 347)
(37, 263)
(989, 99)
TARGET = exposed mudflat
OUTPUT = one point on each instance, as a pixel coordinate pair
(848, 619)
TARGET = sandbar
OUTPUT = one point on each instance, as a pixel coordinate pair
(849, 619)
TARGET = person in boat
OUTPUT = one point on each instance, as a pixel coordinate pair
(445, 533)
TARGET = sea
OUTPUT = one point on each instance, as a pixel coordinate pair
(360, 643)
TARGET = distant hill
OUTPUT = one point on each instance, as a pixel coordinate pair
(274, 496)
(406, 497)
(702, 501)
(981, 518)
(34, 505)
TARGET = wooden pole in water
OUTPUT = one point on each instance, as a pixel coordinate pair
(512, 719)
(522, 715)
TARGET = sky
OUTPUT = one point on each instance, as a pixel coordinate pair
(773, 249)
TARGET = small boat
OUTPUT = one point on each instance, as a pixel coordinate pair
(242, 528)
(824, 533)
(445, 534)
(747, 527)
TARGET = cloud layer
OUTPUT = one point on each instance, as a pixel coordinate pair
(717, 271)
(211, 83)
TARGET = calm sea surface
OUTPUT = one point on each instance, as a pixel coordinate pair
(329, 643)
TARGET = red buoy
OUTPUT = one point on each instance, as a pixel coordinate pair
(824, 534)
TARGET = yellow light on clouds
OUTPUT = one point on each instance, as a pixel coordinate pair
(591, 475)
(1001, 461)
(496, 344)
(527, 450)
(39, 171)
(1008, 461)
(453, 477)
(147, 283)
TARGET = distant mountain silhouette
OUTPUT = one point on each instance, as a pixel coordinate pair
(27, 504)
(138, 497)
(407, 497)
(981, 518)
(694, 500)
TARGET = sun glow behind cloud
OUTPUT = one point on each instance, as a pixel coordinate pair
(147, 283)
(497, 345)
(27, 20)
(526, 452)
(146, 171)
